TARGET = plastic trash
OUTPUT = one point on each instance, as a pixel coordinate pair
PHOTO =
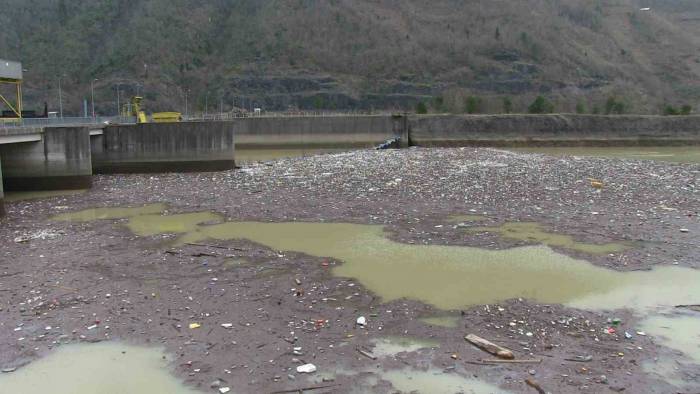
(306, 368)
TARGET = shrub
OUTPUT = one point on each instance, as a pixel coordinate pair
(614, 106)
(673, 111)
(580, 107)
(472, 105)
(421, 108)
(507, 105)
(439, 104)
(541, 106)
(670, 110)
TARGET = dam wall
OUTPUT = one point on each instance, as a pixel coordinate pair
(2, 193)
(58, 159)
(164, 147)
(553, 130)
(316, 132)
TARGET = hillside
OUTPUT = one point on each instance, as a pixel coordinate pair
(356, 54)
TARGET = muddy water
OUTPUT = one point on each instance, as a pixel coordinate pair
(146, 225)
(448, 277)
(393, 345)
(452, 277)
(535, 233)
(89, 215)
(679, 332)
(441, 321)
(253, 155)
(678, 154)
(105, 368)
(22, 196)
(669, 370)
(434, 381)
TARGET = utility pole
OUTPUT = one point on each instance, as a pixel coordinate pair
(92, 96)
(119, 108)
(60, 97)
(186, 113)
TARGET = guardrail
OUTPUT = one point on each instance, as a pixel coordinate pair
(101, 120)
(283, 114)
(65, 121)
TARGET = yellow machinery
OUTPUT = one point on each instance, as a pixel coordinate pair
(11, 74)
(134, 109)
(166, 117)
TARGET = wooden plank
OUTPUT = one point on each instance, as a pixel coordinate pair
(490, 347)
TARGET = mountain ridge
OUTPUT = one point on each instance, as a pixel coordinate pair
(357, 54)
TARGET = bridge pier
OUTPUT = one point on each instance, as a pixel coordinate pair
(58, 159)
(163, 147)
(2, 194)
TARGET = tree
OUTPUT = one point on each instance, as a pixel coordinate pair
(472, 105)
(498, 34)
(541, 106)
(670, 110)
(319, 102)
(507, 105)
(421, 108)
(439, 104)
(580, 107)
(614, 106)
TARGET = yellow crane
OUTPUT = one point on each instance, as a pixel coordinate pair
(134, 109)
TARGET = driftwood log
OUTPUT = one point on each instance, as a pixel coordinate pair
(490, 347)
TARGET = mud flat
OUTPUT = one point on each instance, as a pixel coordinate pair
(242, 276)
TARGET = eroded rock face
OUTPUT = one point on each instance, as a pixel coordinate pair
(309, 92)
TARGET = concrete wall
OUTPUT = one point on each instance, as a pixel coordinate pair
(164, 147)
(60, 160)
(314, 132)
(2, 193)
(553, 130)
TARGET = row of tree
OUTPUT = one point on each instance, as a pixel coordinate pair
(541, 105)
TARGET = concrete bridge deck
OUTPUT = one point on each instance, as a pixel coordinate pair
(13, 135)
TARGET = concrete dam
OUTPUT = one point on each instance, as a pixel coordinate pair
(52, 158)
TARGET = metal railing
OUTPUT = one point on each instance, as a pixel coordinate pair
(102, 120)
(65, 121)
(280, 114)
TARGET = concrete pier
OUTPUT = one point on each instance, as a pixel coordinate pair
(2, 193)
(58, 158)
(164, 147)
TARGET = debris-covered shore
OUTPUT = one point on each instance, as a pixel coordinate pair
(238, 314)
